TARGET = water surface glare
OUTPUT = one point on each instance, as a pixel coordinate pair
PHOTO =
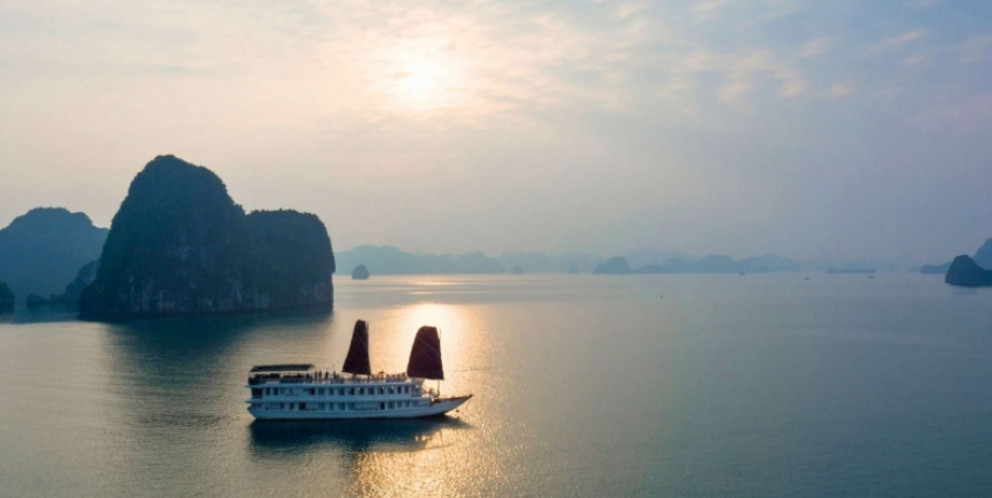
(665, 385)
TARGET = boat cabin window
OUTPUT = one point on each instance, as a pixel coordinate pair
(351, 391)
(381, 390)
(361, 391)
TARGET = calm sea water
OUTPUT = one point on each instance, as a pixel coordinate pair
(668, 385)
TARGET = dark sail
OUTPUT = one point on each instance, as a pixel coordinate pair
(357, 361)
(425, 357)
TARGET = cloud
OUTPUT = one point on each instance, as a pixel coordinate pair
(708, 5)
(971, 114)
(976, 49)
(838, 90)
(916, 59)
(920, 4)
(815, 48)
(895, 42)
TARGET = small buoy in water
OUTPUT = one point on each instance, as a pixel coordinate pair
(807, 278)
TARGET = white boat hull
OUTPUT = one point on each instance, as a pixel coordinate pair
(435, 408)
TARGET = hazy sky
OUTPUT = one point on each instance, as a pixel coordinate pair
(810, 128)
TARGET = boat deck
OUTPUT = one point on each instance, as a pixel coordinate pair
(323, 378)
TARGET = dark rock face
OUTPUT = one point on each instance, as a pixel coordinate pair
(360, 273)
(966, 273)
(614, 266)
(41, 251)
(935, 269)
(6, 296)
(983, 256)
(35, 300)
(179, 244)
(84, 277)
(294, 258)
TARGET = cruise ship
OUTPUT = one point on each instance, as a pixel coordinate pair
(302, 392)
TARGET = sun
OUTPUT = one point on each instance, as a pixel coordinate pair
(423, 82)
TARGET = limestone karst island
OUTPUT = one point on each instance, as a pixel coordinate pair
(179, 244)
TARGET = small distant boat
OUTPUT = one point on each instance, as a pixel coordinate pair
(831, 269)
(301, 392)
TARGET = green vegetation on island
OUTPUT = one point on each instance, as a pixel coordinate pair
(179, 244)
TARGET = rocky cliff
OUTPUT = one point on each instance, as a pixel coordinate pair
(966, 273)
(179, 244)
(295, 259)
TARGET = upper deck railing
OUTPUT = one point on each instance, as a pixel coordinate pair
(325, 378)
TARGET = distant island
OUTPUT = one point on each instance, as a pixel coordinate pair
(179, 245)
(935, 269)
(832, 269)
(44, 249)
(974, 271)
(389, 260)
(619, 265)
(517, 270)
(360, 273)
(965, 272)
(614, 266)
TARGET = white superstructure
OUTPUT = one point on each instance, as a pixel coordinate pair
(300, 392)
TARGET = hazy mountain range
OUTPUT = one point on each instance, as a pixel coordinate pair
(388, 260)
